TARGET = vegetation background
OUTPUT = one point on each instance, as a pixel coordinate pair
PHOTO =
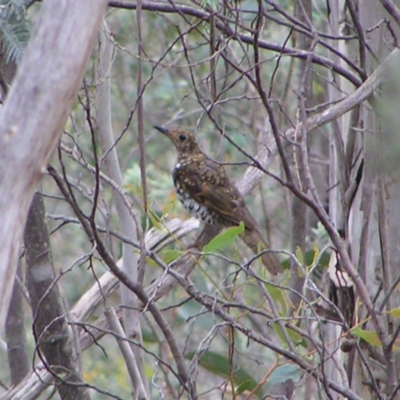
(299, 100)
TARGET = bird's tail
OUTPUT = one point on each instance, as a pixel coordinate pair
(256, 243)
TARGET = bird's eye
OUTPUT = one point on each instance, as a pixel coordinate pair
(182, 137)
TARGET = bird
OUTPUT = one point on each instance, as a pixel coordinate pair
(205, 190)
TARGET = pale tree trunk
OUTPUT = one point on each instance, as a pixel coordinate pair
(299, 210)
(338, 177)
(17, 350)
(55, 340)
(35, 112)
(128, 221)
(362, 218)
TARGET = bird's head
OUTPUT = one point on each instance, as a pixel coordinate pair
(184, 141)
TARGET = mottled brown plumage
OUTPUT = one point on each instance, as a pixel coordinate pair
(207, 193)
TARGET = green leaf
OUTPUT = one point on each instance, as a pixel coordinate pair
(395, 312)
(299, 255)
(220, 365)
(170, 255)
(315, 256)
(166, 255)
(296, 337)
(310, 258)
(224, 239)
(149, 336)
(370, 337)
(155, 218)
(278, 331)
(278, 295)
(284, 373)
(131, 188)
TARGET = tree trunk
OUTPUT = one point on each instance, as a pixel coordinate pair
(57, 345)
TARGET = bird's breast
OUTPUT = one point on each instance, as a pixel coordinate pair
(195, 209)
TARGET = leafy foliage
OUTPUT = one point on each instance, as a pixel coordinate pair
(14, 29)
(224, 239)
(221, 365)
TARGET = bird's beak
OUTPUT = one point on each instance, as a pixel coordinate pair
(165, 131)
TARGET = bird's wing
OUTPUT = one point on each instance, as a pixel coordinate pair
(212, 188)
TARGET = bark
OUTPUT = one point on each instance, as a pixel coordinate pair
(299, 210)
(338, 130)
(15, 334)
(55, 341)
(34, 114)
(17, 350)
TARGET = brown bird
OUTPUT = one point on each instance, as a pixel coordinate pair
(205, 190)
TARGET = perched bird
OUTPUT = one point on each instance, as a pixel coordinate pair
(205, 190)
